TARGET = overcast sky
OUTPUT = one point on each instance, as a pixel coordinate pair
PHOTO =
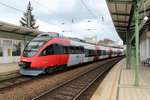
(68, 17)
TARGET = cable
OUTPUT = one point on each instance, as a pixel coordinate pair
(10, 7)
(94, 6)
(49, 9)
(35, 16)
(89, 11)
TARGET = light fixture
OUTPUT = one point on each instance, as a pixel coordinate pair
(143, 22)
(140, 26)
(146, 18)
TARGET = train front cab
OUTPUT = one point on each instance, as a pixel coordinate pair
(51, 56)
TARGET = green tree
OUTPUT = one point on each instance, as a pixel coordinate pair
(28, 19)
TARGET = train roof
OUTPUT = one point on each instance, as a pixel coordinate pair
(57, 35)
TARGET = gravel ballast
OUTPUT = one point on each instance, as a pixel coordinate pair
(35, 87)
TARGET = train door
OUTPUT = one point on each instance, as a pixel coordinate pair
(98, 53)
(76, 55)
(101, 52)
(73, 57)
(49, 58)
(64, 54)
(106, 51)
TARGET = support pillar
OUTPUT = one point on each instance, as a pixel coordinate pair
(128, 50)
(25, 40)
(136, 16)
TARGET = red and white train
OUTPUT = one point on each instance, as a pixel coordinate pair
(49, 51)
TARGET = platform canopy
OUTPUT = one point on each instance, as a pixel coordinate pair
(14, 29)
(122, 13)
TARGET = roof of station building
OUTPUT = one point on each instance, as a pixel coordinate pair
(122, 13)
(10, 28)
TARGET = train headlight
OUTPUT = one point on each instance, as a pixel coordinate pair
(24, 64)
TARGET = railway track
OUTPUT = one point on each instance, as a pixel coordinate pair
(13, 81)
(16, 79)
(75, 87)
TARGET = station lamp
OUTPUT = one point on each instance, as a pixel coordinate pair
(143, 22)
(140, 26)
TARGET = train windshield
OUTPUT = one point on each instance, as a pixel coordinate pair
(33, 46)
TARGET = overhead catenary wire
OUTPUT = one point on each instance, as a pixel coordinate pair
(90, 12)
(10, 7)
(58, 15)
(35, 16)
(72, 20)
(95, 7)
(14, 8)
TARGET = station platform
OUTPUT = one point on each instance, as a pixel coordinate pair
(9, 68)
(119, 83)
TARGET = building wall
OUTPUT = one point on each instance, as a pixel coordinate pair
(10, 49)
(144, 47)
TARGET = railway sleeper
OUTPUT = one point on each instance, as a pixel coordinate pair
(67, 94)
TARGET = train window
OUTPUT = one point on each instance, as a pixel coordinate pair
(77, 50)
(104, 52)
(65, 50)
(110, 52)
(119, 52)
(99, 52)
(57, 48)
(81, 50)
(72, 50)
(92, 53)
(48, 51)
(86, 52)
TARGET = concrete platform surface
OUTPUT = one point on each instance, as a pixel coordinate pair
(119, 83)
(9, 68)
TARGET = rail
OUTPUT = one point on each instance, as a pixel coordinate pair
(75, 87)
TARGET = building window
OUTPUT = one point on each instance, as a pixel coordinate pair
(1, 49)
(16, 48)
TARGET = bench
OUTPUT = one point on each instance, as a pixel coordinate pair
(146, 62)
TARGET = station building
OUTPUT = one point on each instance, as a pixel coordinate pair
(13, 40)
(144, 46)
